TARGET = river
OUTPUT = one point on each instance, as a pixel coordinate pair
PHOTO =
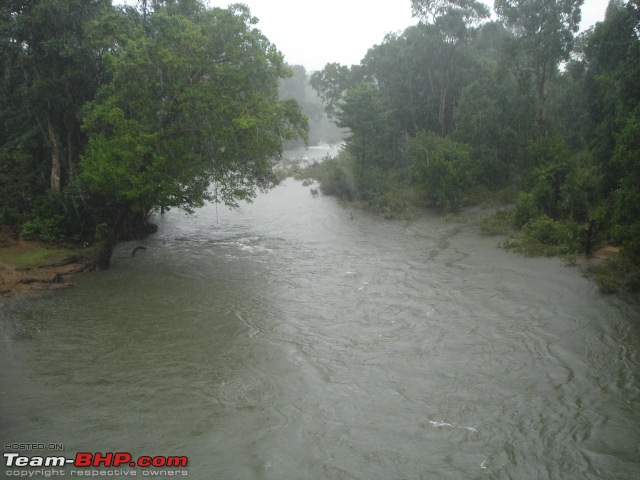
(297, 338)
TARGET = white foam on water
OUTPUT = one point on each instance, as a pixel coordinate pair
(452, 425)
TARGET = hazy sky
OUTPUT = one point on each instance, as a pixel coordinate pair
(314, 33)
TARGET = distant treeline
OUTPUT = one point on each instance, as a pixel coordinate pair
(109, 113)
(459, 108)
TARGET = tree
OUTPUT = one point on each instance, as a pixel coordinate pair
(443, 169)
(365, 113)
(50, 69)
(192, 103)
(331, 83)
(452, 19)
(544, 32)
(612, 57)
(494, 114)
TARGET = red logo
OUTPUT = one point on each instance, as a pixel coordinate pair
(118, 459)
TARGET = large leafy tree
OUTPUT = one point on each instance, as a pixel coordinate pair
(453, 20)
(365, 113)
(332, 82)
(494, 114)
(544, 31)
(191, 114)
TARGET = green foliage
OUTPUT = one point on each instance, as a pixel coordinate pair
(543, 37)
(499, 223)
(119, 111)
(388, 195)
(543, 236)
(34, 256)
(463, 12)
(331, 82)
(336, 177)
(444, 170)
(552, 233)
(123, 111)
(366, 114)
(625, 209)
(16, 184)
(454, 218)
(55, 219)
(396, 203)
(559, 185)
(526, 209)
(50, 67)
(496, 118)
(48, 230)
(615, 274)
(194, 104)
(210, 112)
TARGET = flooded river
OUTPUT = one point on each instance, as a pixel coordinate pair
(296, 338)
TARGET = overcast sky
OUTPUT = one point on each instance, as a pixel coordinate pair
(314, 33)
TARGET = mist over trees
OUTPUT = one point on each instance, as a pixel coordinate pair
(107, 113)
(458, 108)
(321, 128)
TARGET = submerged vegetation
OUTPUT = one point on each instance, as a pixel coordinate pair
(614, 274)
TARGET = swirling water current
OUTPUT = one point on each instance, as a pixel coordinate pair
(297, 338)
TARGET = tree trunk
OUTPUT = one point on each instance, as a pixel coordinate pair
(107, 237)
(444, 93)
(55, 157)
(443, 106)
(124, 225)
(540, 84)
(103, 258)
(588, 238)
(71, 153)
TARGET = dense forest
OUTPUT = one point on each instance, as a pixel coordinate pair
(459, 108)
(109, 113)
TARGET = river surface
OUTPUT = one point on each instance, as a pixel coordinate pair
(296, 338)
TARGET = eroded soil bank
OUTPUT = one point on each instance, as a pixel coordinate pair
(33, 268)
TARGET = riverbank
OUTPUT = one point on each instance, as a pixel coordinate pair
(34, 268)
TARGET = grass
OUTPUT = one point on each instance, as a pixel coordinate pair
(32, 255)
(454, 218)
(530, 247)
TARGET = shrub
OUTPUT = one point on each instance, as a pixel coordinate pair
(443, 169)
(395, 203)
(57, 219)
(615, 274)
(544, 236)
(49, 230)
(497, 224)
(544, 230)
(525, 210)
(336, 177)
